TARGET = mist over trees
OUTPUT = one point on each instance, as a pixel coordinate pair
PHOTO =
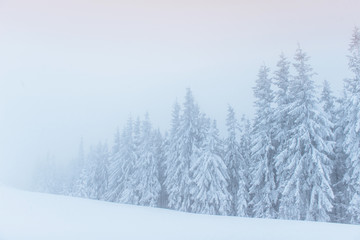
(298, 159)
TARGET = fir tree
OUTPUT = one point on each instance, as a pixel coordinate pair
(116, 146)
(243, 195)
(328, 101)
(303, 165)
(263, 188)
(81, 188)
(115, 180)
(210, 195)
(339, 185)
(160, 145)
(232, 158)
(146, 172)
(184, 149)
(101, 174)
(172, 155)
(281, 113)
(352, 130)
(129, 159)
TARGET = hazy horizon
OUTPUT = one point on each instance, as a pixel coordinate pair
(72, 69)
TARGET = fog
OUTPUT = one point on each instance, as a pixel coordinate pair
(78, 69)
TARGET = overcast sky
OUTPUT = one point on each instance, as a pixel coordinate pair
(76, 68)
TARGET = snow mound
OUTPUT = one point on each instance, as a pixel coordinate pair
(27, 215)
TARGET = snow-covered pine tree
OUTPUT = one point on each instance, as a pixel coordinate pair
(76, 169)
(129, 159)
(116, 145)
(245, 177)
(134, 177)
(115, 185)
(328, 101)
(81, 188)
(160, 146)
(282, 81)
(90, 178)
(339, 186)
(93, 178)
(146, 172)
(137, 138)
(175, 122)
(183, 149)
(172, 154)
(303, 165)
(210, 194)
(86, 186)
(101, 174)
(352, 130)
(281, 120)
(232, 158)
(263, 187)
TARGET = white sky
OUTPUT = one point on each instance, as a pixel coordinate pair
(77, 68)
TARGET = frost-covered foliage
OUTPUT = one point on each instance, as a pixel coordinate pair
(93, 180)
(263, 188)
(210, 176)
(115, 185)
(146, 171)
(100, 159)
(244, 171)
(185, 144)
(340, 157)
(160, 146)
(336, 115)
(282, 96)
(298, 159)
(352, 130)
(232, 160)
(304, 166)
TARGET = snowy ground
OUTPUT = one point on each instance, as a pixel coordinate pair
(26, 215)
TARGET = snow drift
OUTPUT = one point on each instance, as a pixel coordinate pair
(28, 215)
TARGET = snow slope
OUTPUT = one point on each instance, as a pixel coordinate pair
(27, 215)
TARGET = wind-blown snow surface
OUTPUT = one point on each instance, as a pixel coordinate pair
(27, 215)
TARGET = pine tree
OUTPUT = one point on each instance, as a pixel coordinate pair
(328, 101)
(232, 158)
(281, 111)
(303, 165)
(116, 146)
(86, 186)
(263, 188)
(184, 149)
(146, 172)
(101, 174)
(122, 166)
(81, 188)
(243, 195)
(282, 81)
(175, 124)
(160, 145)
(352, 130)
(172, 155)
(129, 159)
(78, 165)
(115, 185)
(339, 186)
(210, 177)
